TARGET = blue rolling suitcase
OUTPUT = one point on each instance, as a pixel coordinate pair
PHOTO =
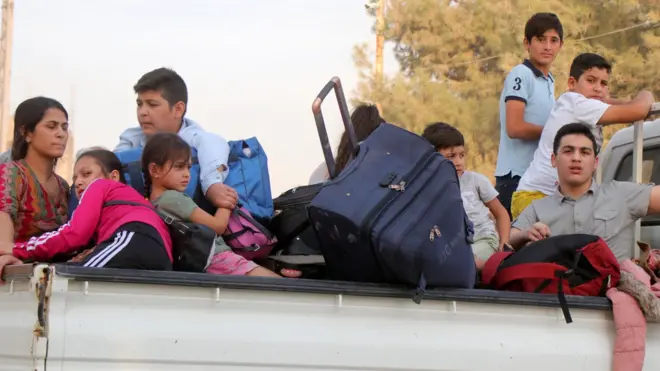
(395, 213)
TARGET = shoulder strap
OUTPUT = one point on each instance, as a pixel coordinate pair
(527, 270)
(491, 265)
(122, 202)
(167, 219)
(549, 271)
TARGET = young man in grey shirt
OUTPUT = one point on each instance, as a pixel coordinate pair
(580, 205)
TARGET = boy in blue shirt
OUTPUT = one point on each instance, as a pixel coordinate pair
(162, 102)
(526, 102)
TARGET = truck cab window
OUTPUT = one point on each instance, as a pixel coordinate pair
(650, 167)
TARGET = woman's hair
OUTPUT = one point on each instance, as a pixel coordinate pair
(28, 114)
(366, 119)
(161, 148)
(107, 160)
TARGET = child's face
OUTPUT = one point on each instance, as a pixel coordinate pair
(544, 49)
(155, 114)
(87, 170)
(593, 83)
(455, 155)
(174, 175)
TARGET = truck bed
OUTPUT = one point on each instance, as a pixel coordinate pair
(107, 319)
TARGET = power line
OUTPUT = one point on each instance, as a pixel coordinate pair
(648, 25)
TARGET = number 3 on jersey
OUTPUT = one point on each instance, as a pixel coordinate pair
(517, 81)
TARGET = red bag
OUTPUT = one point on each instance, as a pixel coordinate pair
(576, 264)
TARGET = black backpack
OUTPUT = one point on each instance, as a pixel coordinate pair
(298, 247)
(192, 244)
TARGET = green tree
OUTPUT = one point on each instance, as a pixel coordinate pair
(453, 56)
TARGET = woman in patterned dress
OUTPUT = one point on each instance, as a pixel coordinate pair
(33, 199)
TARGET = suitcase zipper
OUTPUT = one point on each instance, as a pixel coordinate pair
(376, 212)
(435, 230)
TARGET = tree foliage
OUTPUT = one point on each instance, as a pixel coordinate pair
(453, 56)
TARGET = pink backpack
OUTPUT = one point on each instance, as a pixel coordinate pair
(247, 237)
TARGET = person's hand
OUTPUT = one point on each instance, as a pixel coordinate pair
(222, 196)
(504, 246)
(538, 231)
(7, 260)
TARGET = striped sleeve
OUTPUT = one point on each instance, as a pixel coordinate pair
(72, 235)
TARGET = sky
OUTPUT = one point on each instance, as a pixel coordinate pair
(252, 68)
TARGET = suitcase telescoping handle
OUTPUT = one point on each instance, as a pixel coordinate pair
(333, 84)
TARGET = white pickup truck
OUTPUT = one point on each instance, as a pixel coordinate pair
(62, 317)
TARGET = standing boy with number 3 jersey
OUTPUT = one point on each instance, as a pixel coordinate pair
(526, 102)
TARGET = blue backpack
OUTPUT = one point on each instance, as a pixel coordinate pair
(248, 175)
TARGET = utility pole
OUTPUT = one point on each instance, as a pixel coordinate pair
(6, 38)
(380, 40)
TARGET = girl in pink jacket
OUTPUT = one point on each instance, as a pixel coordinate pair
(122, 236)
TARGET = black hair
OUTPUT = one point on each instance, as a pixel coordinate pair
(365, 119)
(161, 148)
(442, 135)
(107, 160)
(587, 61)
(540, 23)
(28, 114)
(164, 80)
(573, 129)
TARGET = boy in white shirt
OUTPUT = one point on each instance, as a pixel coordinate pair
(586, 101)
(478, 194)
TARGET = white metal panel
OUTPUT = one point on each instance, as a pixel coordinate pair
(18, 314)
(147, 327)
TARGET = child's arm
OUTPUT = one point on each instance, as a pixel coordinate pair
(595, 112)
(635, 110)
(218, 222)
(184, 208)
(488, 195)
(72, 235)
(516, 94)
(502, 221)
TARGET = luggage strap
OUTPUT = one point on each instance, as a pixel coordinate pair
(549, 271)
(491, 265)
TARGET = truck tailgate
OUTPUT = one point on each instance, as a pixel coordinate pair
(132, 320)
